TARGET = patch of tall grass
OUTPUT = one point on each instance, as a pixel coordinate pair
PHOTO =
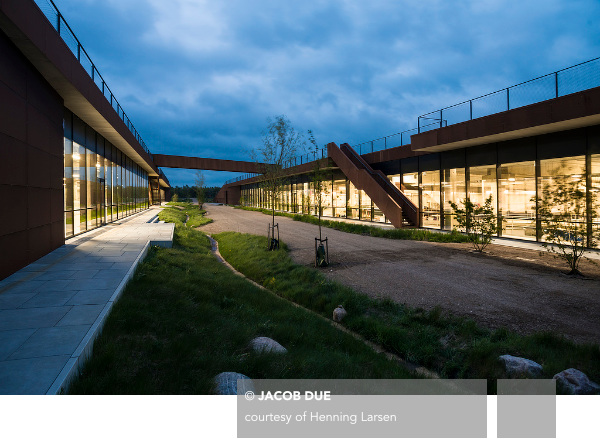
(453, 347)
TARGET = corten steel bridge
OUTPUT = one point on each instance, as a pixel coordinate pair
(178, 161)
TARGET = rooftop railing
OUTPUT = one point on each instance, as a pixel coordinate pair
(391, 141)
(57, 20)
(572, 79)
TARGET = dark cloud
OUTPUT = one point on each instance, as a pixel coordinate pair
(200, 77)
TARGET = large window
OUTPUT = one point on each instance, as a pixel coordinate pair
(430, 194)
(410, 182)
(339, 198)
(454, 189)
(553, 170)
(595, 192)
(365, 206)
(516, 200)
(100, 183)
(326, 198)
(482, 185)
(512, 187)
(353, 202)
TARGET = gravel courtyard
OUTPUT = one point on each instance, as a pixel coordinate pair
(516, 288)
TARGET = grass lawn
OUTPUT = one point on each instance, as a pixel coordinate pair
(362, 229)
(195, 217)
(453, 347)
(184, 318)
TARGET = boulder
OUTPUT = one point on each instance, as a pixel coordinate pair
(339, 313)
(266, 344)
(520, 367)
(575, 382)
(226, 383)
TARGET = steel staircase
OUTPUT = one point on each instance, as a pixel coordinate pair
(397, 208)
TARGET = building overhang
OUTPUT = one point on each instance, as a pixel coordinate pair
(563, 113)
(29, 29)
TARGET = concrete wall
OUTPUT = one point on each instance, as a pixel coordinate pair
(31, 162)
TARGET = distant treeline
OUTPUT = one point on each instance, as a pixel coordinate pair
(190, 192)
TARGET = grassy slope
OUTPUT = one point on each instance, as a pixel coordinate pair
(454, 347)
(175, 215)
(363, 229)
(185, 318)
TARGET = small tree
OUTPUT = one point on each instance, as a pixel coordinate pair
(562, 218)
(280, 145)
(479, 222)
(318, 179)
(200, 188)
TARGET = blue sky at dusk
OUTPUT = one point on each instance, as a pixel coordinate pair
(200, 78)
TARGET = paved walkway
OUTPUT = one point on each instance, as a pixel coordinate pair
(52, 310)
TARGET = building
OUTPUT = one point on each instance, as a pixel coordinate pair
(508, 144)
(70, 158)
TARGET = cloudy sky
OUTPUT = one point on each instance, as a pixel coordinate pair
(201, 77)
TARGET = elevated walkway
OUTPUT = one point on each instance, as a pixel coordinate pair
(397, 208)
(52, 310)
(177, 161)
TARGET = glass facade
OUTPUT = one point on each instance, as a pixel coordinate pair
(454, 189)
(430, 195)
(513, 185)
(516, 200)
(101, 184)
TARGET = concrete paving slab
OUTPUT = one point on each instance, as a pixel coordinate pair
(110, 274)
(45, 299)
(13, 301)
(32, 317)
(36, 266)
(51, 311)
(91, 297)
(55, 275)
(47, 342)
(12, 340)
(84, 274)
(81, 315)
(53, 285)
(92, 284)
(31, 376)
(94, 265)
(25, 287)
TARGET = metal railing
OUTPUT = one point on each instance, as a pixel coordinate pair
(310, 156)
(298, 160)
(572, 79)
(240, 178)
(57, 21)
(391, 141)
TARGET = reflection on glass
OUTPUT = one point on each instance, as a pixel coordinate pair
(482, 184)
(552, 170)
(353, 202)
(595, 192)
(454, 190)
(339, 198)
(327, 207)
(410, 187)
(100, 184)
(516, 201)
(365, 206)
(430, 193)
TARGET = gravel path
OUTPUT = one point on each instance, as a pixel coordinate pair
(509, 287)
